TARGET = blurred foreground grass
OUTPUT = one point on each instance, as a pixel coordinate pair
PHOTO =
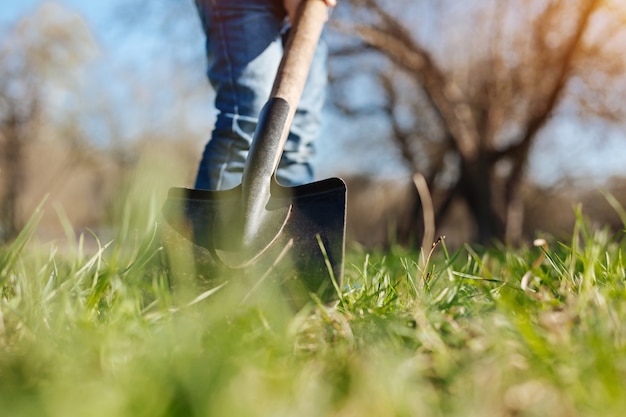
(498, 332)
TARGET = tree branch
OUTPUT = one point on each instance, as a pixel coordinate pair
(394, 41)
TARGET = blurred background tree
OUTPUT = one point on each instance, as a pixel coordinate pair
(75, 121)
(468, 88)
(39, 64)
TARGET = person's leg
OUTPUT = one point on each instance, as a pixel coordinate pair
(243, 50)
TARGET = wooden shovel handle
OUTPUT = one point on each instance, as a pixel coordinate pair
(303, 39)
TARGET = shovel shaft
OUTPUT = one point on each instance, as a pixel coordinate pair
(277, 115)
(299, 50)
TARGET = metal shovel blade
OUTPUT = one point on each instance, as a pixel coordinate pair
(301, 240)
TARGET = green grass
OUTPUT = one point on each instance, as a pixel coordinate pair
(497, 332)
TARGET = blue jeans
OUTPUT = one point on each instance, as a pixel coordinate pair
(244, 45)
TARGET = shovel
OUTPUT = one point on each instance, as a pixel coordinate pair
(261, 228)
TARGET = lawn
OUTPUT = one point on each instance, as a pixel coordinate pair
(124, 330)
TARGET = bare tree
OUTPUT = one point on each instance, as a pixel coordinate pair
(468, 88)
(17, 121)
(37, 58)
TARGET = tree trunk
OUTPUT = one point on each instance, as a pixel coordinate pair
(476, 188)
(13, 176)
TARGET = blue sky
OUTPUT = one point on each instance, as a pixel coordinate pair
(100, 15)
(92, 10)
